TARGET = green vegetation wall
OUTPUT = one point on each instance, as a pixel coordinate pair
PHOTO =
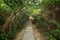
(13, 16)
(48, 20)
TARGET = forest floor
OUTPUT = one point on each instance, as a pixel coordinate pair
(29, 33)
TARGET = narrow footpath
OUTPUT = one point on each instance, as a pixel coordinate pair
(29, 35)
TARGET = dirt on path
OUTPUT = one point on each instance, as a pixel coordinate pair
(38, 35)
(19, 35)
(25, 35)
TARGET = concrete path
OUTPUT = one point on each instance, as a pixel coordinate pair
(29, 33)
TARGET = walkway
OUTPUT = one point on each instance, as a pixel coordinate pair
(29, 33)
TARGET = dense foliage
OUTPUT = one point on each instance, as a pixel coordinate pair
(48, 20)
(15, 13)
(13, 17)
